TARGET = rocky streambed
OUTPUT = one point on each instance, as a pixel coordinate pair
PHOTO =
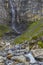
(19, 54)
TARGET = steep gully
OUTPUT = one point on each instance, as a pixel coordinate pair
(17, 27)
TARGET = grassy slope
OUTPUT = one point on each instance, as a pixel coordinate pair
(3, 29)
(35, 29)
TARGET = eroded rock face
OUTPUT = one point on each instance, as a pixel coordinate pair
(29, 9)
(3, 13)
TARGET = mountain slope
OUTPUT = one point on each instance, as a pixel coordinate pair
(35, 29)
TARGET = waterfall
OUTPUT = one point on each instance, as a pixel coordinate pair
(13, 12)
(30, 56)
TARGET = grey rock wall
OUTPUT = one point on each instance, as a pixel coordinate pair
(26, 10)
(3, 13)
(29, 8)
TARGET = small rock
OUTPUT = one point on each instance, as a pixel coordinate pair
(1, 59)
(2, 64)
(9, 56)
(20, 58)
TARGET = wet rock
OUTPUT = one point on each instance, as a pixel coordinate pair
(34, 64)
(30, 57)
(40, 63)
(37, 52)
(9, 62)
(2, 53)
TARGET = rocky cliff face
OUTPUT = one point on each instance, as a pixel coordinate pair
(21, 12)
(29, 9)
(3, 13)
(26, 10)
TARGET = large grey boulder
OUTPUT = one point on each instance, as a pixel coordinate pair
(38, 54)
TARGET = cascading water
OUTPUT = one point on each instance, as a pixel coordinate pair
(30, 56)
(13, 12)
(17, 27)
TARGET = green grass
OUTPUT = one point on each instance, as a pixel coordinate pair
(3, 29)
(40, 44)
(35, 29)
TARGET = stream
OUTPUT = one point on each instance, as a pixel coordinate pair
(17, 55)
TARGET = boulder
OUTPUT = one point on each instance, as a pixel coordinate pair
(38, 54)
(20, 58)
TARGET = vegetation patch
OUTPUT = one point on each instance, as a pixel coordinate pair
(35, 29)
(40, 43)
(3, 29)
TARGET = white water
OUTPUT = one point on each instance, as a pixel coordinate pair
(13, 12)
(30, 56)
